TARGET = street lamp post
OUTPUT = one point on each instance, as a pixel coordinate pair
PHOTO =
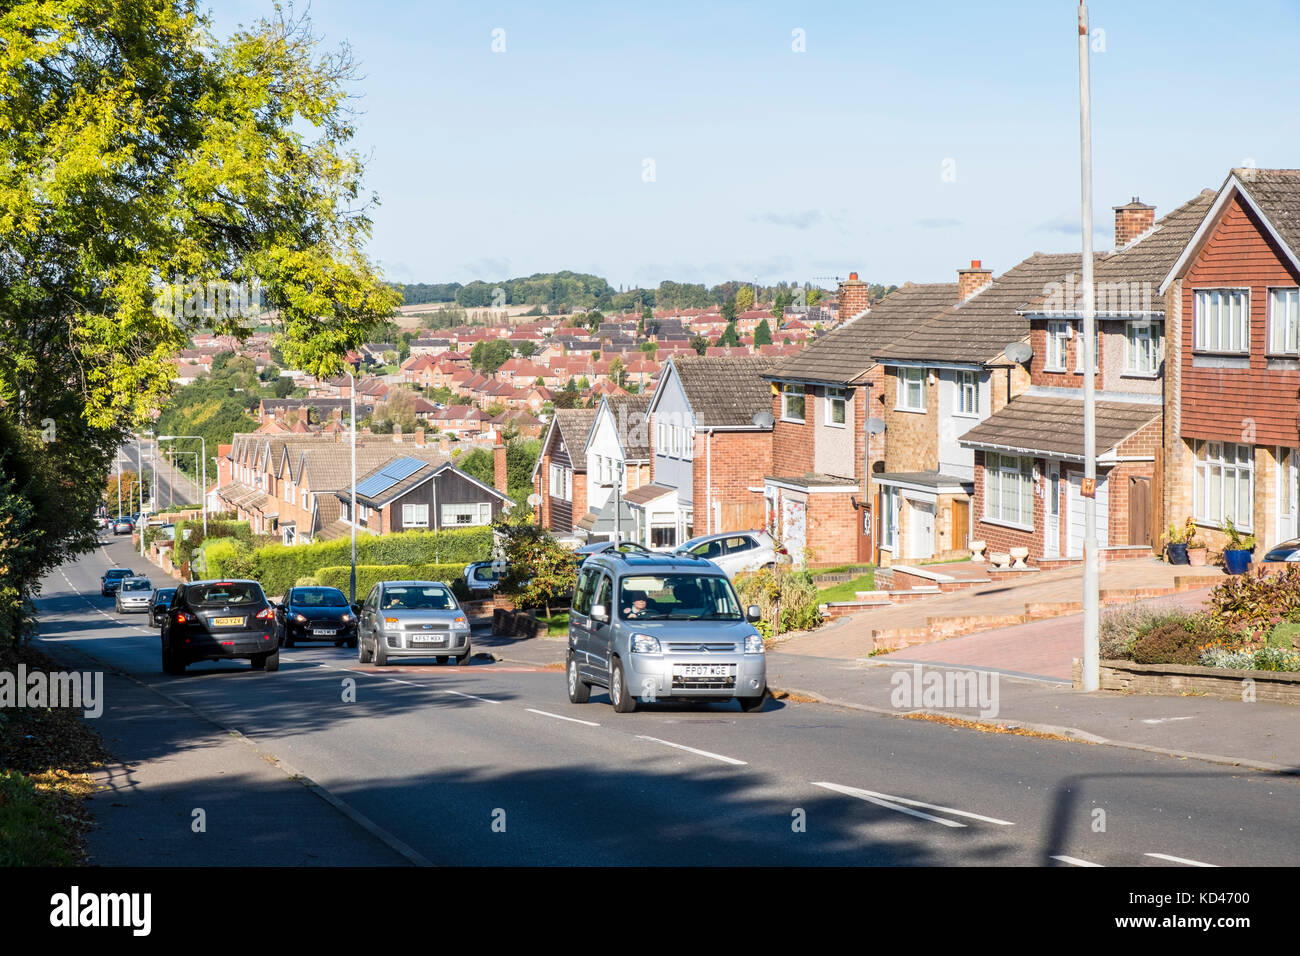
(1091, 596)
(352, 412)
(203, 491)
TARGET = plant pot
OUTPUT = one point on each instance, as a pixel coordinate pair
(1176, 553)
(1236, 561)
(1196, 557)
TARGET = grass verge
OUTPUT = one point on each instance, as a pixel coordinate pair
(845, 591)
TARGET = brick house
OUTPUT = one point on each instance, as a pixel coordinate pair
(1029, 454)
(1231, 445)
(618, 451)
(711, 438)
(820, 486)
(406, 493)
(560, 474)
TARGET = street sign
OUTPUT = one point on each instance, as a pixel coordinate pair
(1088, 487)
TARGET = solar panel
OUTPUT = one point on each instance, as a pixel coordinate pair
(379, 483)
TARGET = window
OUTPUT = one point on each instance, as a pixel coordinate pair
(663, 536)
(792, 400)
(968, 393)
(911, 389)
(1225, 483)
(1058, 334)
(1141, 348)
(1284, 321)
(888, 517)
(561, 482)
(1223, 320)
(1009, 489)
(836, 399)
(661, 438)
(740, 543)
(1096, 347)
(585, 591)
(415, 516)
(472, 513)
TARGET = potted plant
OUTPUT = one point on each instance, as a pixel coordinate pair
(1238, 551)
(1197, 551)
(1176, 544)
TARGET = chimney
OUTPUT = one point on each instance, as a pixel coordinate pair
(853, 297)
(397, 433)
(970, 281)
(444, 446)
(500, 478)
(419, 437)
(1132, 220)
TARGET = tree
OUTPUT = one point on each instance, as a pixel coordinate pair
(700, 344)
(744, 298)
(526, 349)
(649, 348)
(283, 387)
(478, 464)
(566, 398)
(397, 409)
(779, 304)
(812, 296)
(729, 336)
(729, 310)
(488, 355)
(618, 371)
(762, 334)
(540, 572)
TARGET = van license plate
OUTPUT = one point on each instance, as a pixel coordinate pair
(705, 670)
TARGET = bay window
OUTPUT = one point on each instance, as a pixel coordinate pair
(1009, 489)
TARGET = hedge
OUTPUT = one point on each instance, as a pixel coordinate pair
(226, 558)
(279, 566)
(217, 528)
(368, 575)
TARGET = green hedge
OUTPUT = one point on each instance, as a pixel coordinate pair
(227, 558)
(279, 566)
(217, 528)
(368, 575)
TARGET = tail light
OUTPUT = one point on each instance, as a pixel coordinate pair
(183, 618)
(266, 614)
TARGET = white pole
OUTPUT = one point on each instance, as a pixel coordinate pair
(1091, 577)
(352, 410)
(203, 468)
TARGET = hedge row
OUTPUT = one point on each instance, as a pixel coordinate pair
(368, 575)
(187, 544)
(279, 566)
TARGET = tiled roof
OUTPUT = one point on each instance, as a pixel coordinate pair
(724, 392)
(629, 413)
(1277, 193)
(842, 356)
(979, 329)
(575, 425)
(1047, 424)
(647, 493)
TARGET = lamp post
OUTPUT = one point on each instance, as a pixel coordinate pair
(1091, 583)
(203, 492)
(352, 411)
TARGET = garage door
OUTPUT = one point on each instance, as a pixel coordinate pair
(1075, 543)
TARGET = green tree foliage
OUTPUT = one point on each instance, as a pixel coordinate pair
(540, 572)
(521, 457)
(744, 298)
(682, 295)
(780, 302)
(729, 336)
(397, 409)
(526, 349)
(574, 289)
(618, 371)
(762, 334)
(478, 464)
(700, 344)
(729, 310)
(490, 354)
(421, 292)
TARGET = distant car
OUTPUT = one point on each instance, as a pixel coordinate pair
(737, 551)
(219, 620)
(1285, 551)
(482, 577)
(112, 579)
(316, 614)
(158, 608)
(123, 526)
(134, 594)
(600, 547)
(412, 619)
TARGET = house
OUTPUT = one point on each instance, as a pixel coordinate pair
(618, 453)
(408, 492)
(560, 474)
(1029, 454)
(828, 437)
(711, 440)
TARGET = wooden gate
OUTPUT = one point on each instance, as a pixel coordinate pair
(866, 525)
(747, 515)
(1139, 511)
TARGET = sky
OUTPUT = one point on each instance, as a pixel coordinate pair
(705, 141)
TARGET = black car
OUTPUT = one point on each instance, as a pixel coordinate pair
(316, 614)
(158, 609)
(219, 620)
(111, 580)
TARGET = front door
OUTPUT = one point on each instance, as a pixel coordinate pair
(1288, 508)
(960, 524)
(920, 530)
(1052, 525)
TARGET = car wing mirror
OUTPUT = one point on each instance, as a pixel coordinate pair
(599, 612)
(356, 609)
(753, 614)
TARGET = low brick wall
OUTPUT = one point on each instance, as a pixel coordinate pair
(1178, 680)
(516, 624)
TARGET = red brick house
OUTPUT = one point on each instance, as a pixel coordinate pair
(560, 475)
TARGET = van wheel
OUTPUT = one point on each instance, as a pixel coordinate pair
(624, 703)
(752, 705)
(579, 692)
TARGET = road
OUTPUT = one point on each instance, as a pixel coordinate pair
(491, 764)
(173, 487)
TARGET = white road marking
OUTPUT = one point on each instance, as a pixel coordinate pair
(1179, 859)
(867, 796)
(1164, 720)
(700, 753)
(855, 792)
(470, 696)
(1074, 861)
(547, 713)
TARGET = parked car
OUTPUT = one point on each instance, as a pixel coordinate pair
(737, 551)
(162, 597)
(482, 577)
(111, 579)
(123, 525)
(412, 619)
(1284, 551)
(655, 626)
(134, 594)
(219, 620)
(600, 547)
(316, 614)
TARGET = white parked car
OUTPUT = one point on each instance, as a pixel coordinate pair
(737, 551)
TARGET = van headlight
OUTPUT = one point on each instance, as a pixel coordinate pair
(754, 644)
(645, 644)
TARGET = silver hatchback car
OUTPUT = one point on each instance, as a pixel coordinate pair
(135, 594)
(412, 619)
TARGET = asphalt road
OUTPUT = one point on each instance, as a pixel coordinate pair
(491, 764)
(172, 487)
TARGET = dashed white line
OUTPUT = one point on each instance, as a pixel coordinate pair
(1074, 861)
(547, 713)
(876, 797)
(1179, 859)
(699, 753)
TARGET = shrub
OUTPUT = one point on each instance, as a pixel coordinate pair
(1169, 642)
(188, 544)
(1254, 604)
(308, 582)
(1276, 659)
(228, 558)
(368, 575)
(794, 589)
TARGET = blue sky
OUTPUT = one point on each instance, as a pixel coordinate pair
(778, 164)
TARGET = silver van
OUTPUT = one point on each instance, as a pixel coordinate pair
(654, 626)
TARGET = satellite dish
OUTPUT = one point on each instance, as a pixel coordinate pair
(763, 419)
(534, 499)
(875, 426)
(1019, 352)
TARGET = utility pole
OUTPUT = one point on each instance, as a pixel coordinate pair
(352, 410)
(1091, 575)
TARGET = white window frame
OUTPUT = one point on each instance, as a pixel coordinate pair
(1000, 469)
(1058, 334)
(410, 513)
(791, 390)
(1096, 347)
(837, 398)
(889, 502)
(1208, 336)
(1284, 330)
(907, 378)
(1218, 466)
(968, 394)
(477, 513)
(1141, 348)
